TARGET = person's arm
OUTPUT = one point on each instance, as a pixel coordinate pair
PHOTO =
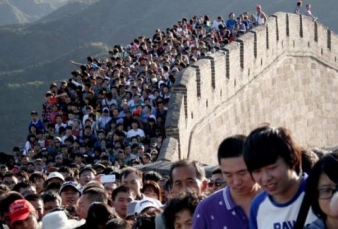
(76, 63)
(263, 15)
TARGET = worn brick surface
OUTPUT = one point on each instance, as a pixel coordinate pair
(291, 82)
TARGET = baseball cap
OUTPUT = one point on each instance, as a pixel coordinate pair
(258, 7)
(57, 138)
(55, 175)
(20, 210)
(131, 208)
(72, 184)
(145, 203)
(34, 113)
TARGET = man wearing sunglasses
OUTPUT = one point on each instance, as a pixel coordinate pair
(229, 207)
(216, 181)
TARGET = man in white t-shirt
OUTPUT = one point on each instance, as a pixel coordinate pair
(274, 160)
(135, 131)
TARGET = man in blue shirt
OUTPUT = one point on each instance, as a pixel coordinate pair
(229, 207)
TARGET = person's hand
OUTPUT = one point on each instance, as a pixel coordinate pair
(98, 177)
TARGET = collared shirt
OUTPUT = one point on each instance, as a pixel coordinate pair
(219, 211)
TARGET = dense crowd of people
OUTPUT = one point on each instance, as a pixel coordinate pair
(79, 165)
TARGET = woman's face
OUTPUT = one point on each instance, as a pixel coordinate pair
(325, 184)
(150, 193)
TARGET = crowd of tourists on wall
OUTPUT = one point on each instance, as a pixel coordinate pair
(80, 166)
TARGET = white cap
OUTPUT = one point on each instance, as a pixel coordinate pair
(145, 203)
(55, 175)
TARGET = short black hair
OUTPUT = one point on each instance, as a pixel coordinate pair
(266, 144)
(51, 196)
(20, 185)
(231, 147)
(118, 190)
(216, 171)
(33, 197)
(151, 175)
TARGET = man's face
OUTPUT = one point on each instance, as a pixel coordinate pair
(34, 117)
(38, 165)
(83, 207)
(109, 187)
(30, 222)
(69, 196)
(24, 160)
(10, 181)
(127, 150)
(185, 178)
(216, 183)
(236, 175)
(49, 206)
(276, 178)
(85, 177)
(120, 203)
(30, 168)
(28, 190)
(38, 205)
(133, 181)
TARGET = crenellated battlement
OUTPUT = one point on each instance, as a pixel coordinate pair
(284, 73)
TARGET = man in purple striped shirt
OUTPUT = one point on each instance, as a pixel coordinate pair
(229, 207)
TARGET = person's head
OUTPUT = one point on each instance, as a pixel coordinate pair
(9, 179)
(59, 219)
(121, 196)
(152, 190)
(37, 203)
(118, 223)
(309, 159)
(187, 175)
(299, 3)
(23, 215)
(234, 170)
(179, 211)
(132, 178)
(322, 184)
(308, 6)
(37, 178)
(54, 177)
(147, 206)
(89, 196)
(51, 200)
(216, 181)
(86, 174)
(24, 188)
(273, 158)
(151, 176)
(4, 189)
(70, 193)
(5, 201)
(98, 215)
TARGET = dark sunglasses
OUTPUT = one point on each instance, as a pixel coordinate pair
(216, 183)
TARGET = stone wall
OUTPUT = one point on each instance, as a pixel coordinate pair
(285, 73)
